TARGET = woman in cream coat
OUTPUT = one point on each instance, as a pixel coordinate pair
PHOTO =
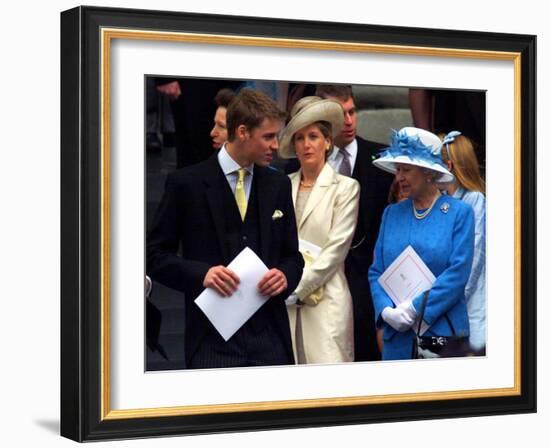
(326, 203)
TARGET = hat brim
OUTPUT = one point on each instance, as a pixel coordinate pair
(324, 110)
(388, 163)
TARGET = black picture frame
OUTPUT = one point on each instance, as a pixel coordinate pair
(85, 414)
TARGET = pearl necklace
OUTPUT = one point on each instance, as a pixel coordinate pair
(303, 184)
(426, 212)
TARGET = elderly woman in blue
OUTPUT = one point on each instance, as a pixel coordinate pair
(441, 231)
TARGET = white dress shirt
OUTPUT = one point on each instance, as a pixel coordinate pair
(336, 156)
(230, 169)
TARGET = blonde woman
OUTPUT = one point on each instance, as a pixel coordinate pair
(459, 155)
(326, 203)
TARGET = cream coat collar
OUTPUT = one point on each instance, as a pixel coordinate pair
(326, 178)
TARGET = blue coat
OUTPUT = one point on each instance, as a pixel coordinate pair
(444, 240)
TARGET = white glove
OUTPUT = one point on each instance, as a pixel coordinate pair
(291, 299)
(408, 308)
(397, 318)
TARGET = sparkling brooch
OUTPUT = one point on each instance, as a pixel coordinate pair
(445, 207)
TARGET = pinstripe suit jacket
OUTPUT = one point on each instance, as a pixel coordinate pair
(190, 219)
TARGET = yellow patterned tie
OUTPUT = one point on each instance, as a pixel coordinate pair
(240, 195)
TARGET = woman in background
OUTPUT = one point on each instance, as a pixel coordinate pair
(219, 131)
(395, 194)
(459, 155)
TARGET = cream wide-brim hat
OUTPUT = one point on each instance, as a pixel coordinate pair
(414, 146)
(306, 111)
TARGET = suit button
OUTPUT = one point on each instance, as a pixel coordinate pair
(245, 238)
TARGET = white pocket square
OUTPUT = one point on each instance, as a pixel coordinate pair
(277, 214)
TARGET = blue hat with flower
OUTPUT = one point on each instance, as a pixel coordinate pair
(414, 146)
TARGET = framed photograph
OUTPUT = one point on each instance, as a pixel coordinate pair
(114, 382)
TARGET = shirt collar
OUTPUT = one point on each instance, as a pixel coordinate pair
(351, 149)
(459, 193)
(229, 165)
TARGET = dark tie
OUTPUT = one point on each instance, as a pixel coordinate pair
(345, 166)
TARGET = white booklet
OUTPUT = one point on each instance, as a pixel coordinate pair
(308, 248)
(228, 314)
(406, 278)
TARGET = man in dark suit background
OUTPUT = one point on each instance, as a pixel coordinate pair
(213, 210)
(354, 157)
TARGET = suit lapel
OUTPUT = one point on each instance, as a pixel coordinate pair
(325, 179)
(266, 195)
(366, 152)
(215, 183)
(359, 161)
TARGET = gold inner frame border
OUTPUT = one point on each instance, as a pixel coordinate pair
(107, 35)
